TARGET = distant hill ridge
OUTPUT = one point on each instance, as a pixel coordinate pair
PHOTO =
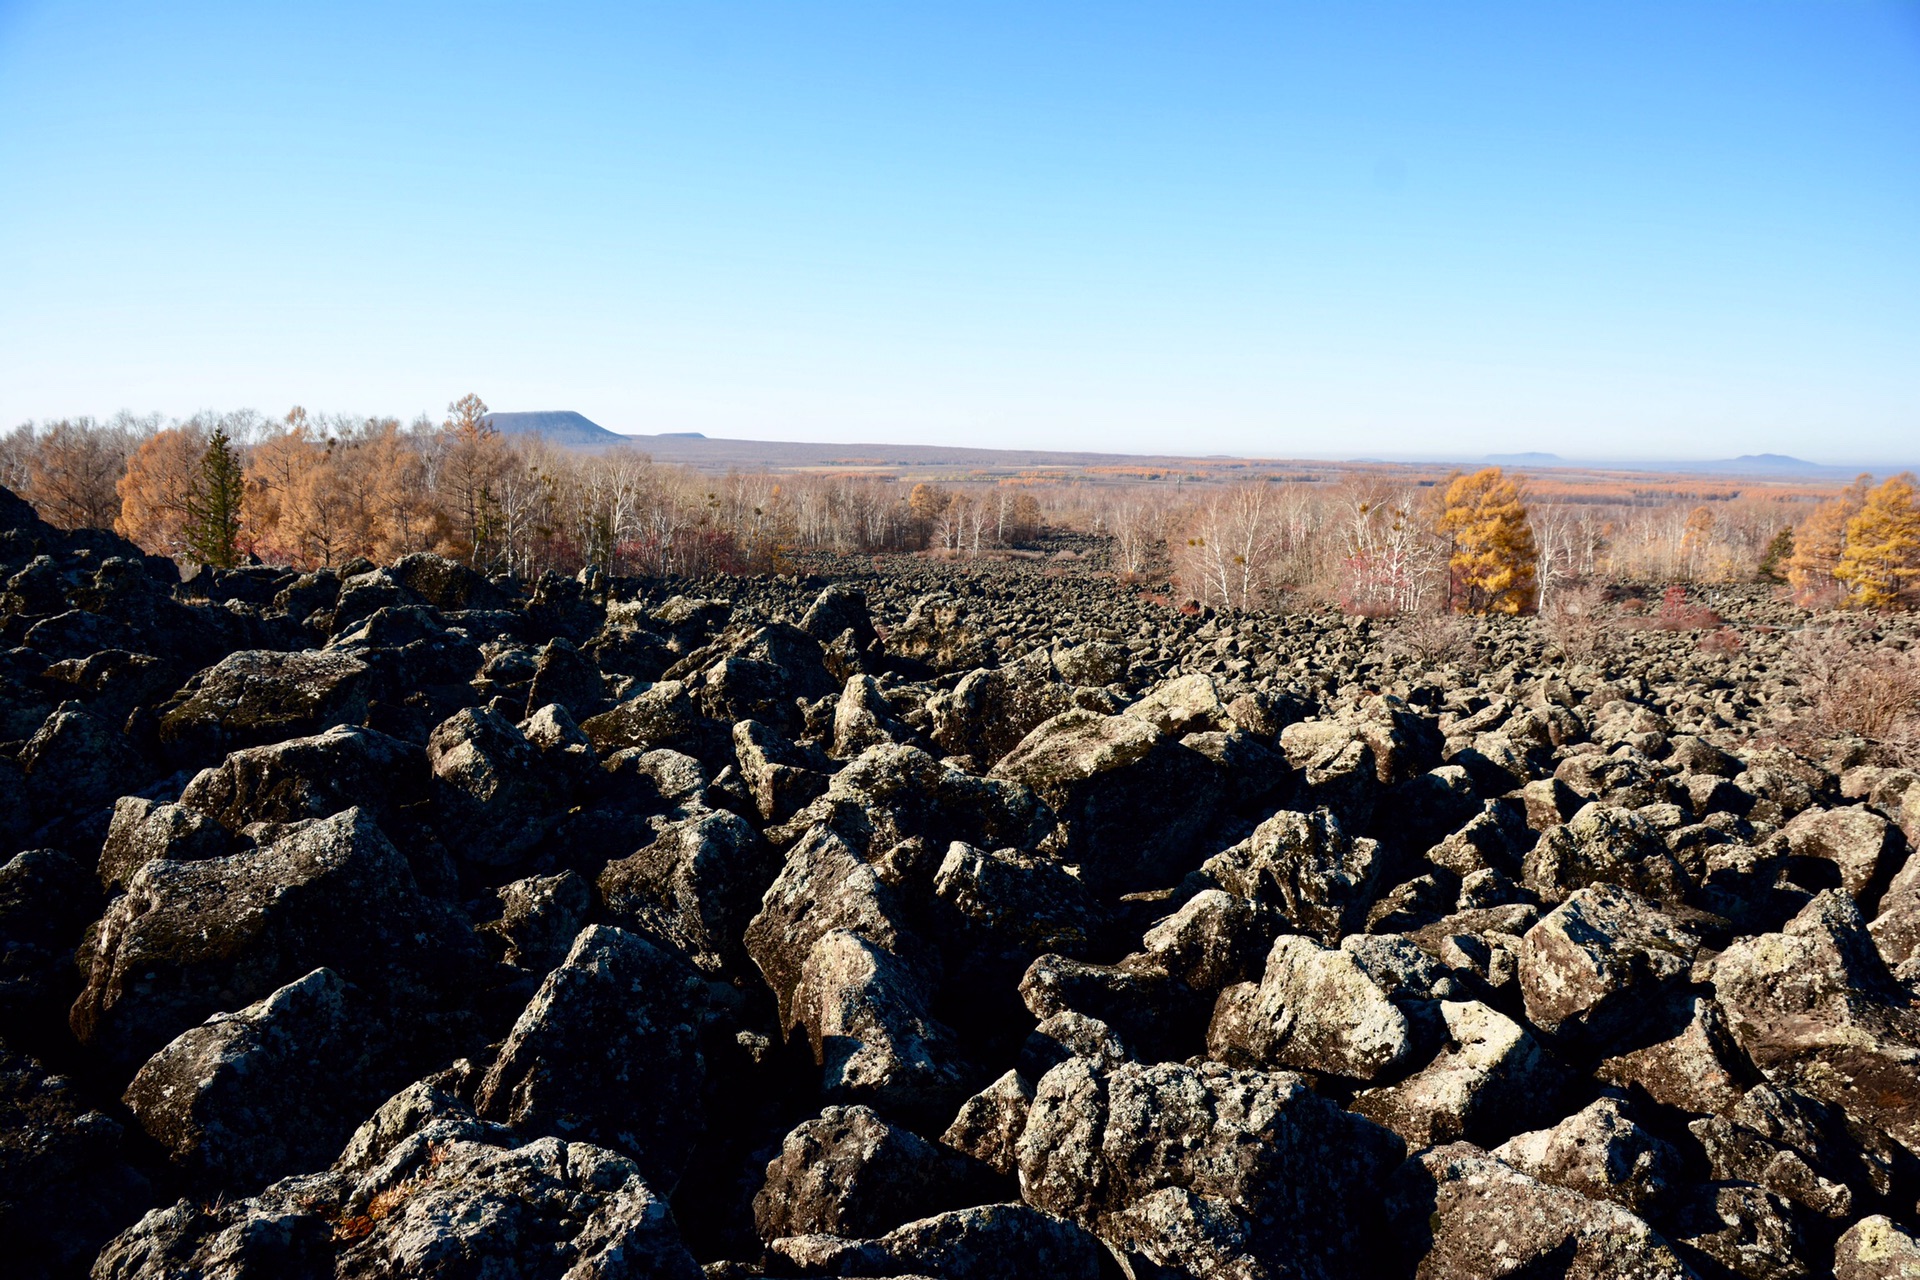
(558, 426)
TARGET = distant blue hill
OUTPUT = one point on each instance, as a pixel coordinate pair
(558, 426)
(1524, 459)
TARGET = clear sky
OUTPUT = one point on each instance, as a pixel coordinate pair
(1612, 229)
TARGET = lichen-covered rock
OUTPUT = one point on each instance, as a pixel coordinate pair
(255, 697)
(868, 1016)
(495, 793)
(1133, 801)
(1460, 1212)
(1315, 1009)
(1604, 844)
(1699, 1068)
(143, 829)
(1874, 1248)
(697, 885)
(66, 1184)
(991, 1242)
(191, 939)
(272, 1089)
(1600, 1152)
(539, 918)
(608, 1051)
(1814, 1008)
(1491, 1081)
(1285, 1177)
(1864, 847)
(314, 777)
(1307, 868)
(1593, 964)
(850, 1173)
(989, 1124)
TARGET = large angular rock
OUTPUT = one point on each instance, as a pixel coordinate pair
(1307, 868)
(143, 829)
(451, 1209)
(938, 633)
(496, 794)
(255, 697)
(697, 885)
(1864, 847)
(1875, 1248)
(539, 918)
(1276, 1174)
(868, 1017)
(1699, 1068)
(314, 777)
(76, 762)
(1604, 844)
(989, 1124)
(1133, 801)
(1600, 1152)
(1592, 966)
(1005, 908)
(1315, 1009)
(1459, 1212)
(1815, 1008)
(608, 1051)
(1491, 1082)
(661, 715)
(987, 714)
(991, 1242)
(272, 1089)
(191, 939)
(825, 885)
(46, 900)
(851, 1173)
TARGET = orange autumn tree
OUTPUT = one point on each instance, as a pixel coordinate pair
(1493, 556)
(1819, 543)
(1881, 561)
(156, 493)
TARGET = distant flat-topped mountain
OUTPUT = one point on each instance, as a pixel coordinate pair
(558, 426)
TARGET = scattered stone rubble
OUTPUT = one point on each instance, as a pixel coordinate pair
(925, 920)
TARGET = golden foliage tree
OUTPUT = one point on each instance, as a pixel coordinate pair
(1493, 557)
(156, 492)
(1881, 561)
(1820, 541)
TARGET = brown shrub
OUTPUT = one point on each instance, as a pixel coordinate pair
(1856, 688)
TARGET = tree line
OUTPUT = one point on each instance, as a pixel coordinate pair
(311, 490)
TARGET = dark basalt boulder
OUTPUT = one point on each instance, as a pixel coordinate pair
(991, 1242)
(697, 886)
(496, 794)
(254, 698)
(850, 1173)
(142, 830)
(1459, 1212)
(1133, 803)
(272, 1089)
(608, 1051)
(191, 939)
(1203, 1167)
(314, 777)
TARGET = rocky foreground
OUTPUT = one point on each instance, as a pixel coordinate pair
(989, 923)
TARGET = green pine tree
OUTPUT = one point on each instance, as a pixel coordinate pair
(212, 530)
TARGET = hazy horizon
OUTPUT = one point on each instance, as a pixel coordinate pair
(1646, 232)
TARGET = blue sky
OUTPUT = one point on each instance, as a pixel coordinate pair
(1624, 229)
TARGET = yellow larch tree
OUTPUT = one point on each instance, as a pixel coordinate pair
(1820, 541)
(1881, 562)
(157, 490)
(1493, 556)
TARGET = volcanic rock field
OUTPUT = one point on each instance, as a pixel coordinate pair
(909, 918)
